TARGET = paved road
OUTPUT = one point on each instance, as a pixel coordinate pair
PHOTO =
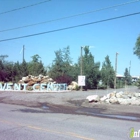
(50, 116)
(26, 123)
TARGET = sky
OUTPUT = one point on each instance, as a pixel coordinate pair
(105, 38)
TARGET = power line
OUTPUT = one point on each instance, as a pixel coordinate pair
(66, 28)
(24, 7)
(89, 12)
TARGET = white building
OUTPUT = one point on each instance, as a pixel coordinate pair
(134, 78)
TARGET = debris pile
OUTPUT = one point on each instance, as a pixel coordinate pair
(73, 86)
(117, 98)
(30, 80)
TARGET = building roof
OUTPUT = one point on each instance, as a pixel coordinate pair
(119, 75)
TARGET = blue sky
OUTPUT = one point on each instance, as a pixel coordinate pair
(107, 37)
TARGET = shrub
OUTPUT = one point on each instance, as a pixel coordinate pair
(102, 86)
(138, 83)
(63, 79)
(77, 87)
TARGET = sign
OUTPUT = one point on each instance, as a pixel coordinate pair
(42, 87)
(81, 80)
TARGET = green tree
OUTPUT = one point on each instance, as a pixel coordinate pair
(3, 73)
(67, 61)
(35, 58)
(90, 69)
(127, 77)
(4, 69)
(1, 65)
(16, 72)
(23, 69)
(2, 57)
(74, 71)
(60, 70)
(10, 71)
(56, 69)
(137, 47)
(7, 71)
(138, 83)
(35, 67)
(107, 73)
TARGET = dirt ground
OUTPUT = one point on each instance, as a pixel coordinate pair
(69, 102)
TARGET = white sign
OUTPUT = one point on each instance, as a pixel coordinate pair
(48, 87)
(81, 80)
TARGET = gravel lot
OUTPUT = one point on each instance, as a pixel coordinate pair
(68, 102)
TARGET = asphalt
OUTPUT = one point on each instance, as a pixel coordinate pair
(73, 102)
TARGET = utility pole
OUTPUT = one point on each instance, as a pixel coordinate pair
(23, 52)
(115, 70)
(81, 66)
(81, 62)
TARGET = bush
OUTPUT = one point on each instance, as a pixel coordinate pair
(120, 84)
(63, 79)
(77, 87)
(138, 83)
(102, 86)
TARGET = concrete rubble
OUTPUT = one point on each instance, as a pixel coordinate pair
(116, 98)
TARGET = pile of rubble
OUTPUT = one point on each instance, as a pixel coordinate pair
(73, 86)
(30, 80)
(117, 98)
